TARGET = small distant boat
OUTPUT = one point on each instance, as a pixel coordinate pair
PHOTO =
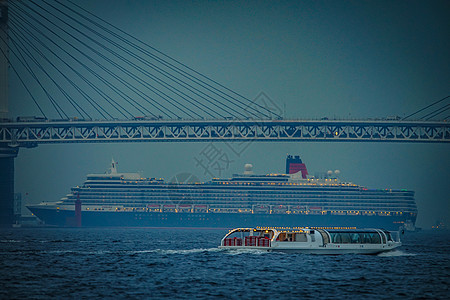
(312, 240)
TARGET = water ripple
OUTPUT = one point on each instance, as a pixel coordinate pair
(149, 263)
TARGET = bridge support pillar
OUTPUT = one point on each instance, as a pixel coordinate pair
(7, 155)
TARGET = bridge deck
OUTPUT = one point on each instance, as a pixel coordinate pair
(26, 134)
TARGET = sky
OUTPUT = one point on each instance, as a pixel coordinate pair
(312, 59)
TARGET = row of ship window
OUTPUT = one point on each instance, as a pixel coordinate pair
(303, 201)
(275, 208)
(246, 201)
(221, 184)
(240, 210)
(265, 190)
(202, 188)
(233, 199)
(177, 194)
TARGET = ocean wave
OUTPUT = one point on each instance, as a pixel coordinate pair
(245, 251)
(187, 251)
(11, 241)
(133, 252)
(396, 253)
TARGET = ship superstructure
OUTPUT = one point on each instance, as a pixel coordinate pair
(127, 199)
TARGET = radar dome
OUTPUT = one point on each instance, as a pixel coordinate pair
(337, 172)
(330, 172)
(248, 169)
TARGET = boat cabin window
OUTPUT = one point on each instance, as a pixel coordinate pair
(388, 235)
(383, 237)
(324, 235)
(265, 234)
(313, 237)
(241, 234)
(301, 237)
(372, 238)
(282, 237)
(355, 237)
(292, 237)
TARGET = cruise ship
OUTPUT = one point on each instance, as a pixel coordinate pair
(292, 199)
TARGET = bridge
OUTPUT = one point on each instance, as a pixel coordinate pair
(30, 134)
(88, 80)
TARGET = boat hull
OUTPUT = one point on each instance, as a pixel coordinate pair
(333, 250)
(59, 217)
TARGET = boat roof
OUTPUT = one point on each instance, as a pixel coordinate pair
(309, 229)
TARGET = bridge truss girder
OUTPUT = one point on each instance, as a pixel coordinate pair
(25, 134)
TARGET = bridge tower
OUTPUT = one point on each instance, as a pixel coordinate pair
(7, 153)
(3, 60)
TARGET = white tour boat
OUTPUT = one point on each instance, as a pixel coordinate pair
(312, 240)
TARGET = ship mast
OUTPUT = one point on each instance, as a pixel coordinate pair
(113, 169)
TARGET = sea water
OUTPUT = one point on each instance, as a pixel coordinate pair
(141, 263)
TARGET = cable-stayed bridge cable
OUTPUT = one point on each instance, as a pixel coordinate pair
(22, 49)
(70, 81)
(112, 102)
(23, 83)
(87, 98)
(22, 60)
(157, 91)
(436, 112)
(247, 105)
(189, 87)
(428, 106)
(123, 65)
(181, 94)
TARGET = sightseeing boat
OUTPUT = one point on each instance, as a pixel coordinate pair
(312, 240)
